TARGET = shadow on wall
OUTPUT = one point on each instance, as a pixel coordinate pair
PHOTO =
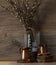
(15, 46)
(46, 9)
(50, 39)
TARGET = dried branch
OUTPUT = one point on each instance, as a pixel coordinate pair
(24, 10)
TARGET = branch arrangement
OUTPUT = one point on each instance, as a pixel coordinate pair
(25, 10)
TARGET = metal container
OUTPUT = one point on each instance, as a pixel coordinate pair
(25, 55)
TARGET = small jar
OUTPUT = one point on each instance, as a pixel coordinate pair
(25, 55)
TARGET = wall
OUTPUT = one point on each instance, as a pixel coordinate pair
(48, 28)
(11, 35)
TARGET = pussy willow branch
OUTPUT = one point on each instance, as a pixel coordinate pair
(25, 13)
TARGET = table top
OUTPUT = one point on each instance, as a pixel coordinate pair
(15, 63)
